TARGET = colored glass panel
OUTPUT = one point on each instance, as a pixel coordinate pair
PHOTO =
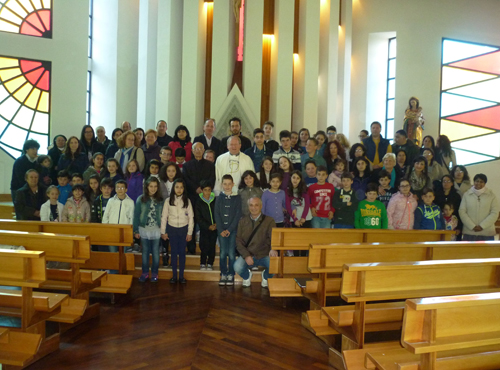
(45, 16)
(28, 65)
(44, 81)
(489, 63)
(454, 104)
(27, 17)
(43, 104)
(23, 92)
(34, 76)
(15, 83)
(457, 130)
(24, 117)
(457, 50)
(487, 144)
(487, 90)
(465, 157)
(32, 100)
(7, 74)
(454, 77)
(489, 118)
(8, 62)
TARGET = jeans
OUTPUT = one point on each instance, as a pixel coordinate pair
(321, 223)
(241, 267)
(177, 237)
(343, 226)
(227, 249)
(207, 246)
(153, 247)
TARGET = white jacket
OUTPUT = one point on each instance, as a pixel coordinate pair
(244, 163)
(45, 211)
(176, 215)
(119, 211)
(482, 211)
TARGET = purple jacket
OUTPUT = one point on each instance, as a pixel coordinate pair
(135, 188)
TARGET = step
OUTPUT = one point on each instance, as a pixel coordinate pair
(197, 275)
(191, 260)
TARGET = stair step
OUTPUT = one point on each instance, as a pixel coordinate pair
(197, 275)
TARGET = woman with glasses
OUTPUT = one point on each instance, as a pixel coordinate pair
(358, 150)
(401, 207)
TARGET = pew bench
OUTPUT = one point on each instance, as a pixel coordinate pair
(17, 348)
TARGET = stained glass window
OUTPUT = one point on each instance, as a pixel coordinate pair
(27, 17)
(391, 89)
(24, 103)
(470, 100)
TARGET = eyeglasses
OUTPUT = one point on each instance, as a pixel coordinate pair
(331, 133)
(359, 150)
(362, 136)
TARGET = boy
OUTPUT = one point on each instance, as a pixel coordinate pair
(286, 150)
(345, 204)
(258, 151)
(99, 205)
(385, 191)
(64, 186)
(204, 216)
(180, 156)
(428, 216)
(311, 154)
(310, 177)
(227, 215)
(209, 155)
(271, 144)
(371, 213)
(165, 154)
(321, 195)
(76, 179)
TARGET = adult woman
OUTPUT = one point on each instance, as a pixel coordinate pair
(414, 120)
(113, 145)
(429, 143)
(479, 211)
(447, 154)
(129, 149)
(462, 180)
(139, 133)
(90, 145)
(357, 150)
(333, 151)
(401, 165)
(436, 171)
(447, 193)
(401, 208)
(304, 135)
(59, 143)
(181, 140)
(96, 167)
(73, 160)
(151, 148)
(418, 176)
(30, 197)
(342, 139)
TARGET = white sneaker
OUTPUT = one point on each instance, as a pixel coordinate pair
(248, 282)
(210, 268)
(203, 267)
(263, 283)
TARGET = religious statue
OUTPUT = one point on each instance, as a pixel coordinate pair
(414, 121)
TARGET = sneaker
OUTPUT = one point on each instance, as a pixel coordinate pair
(263, 283)
(223, 279)
(289, 254)
(230, 280)
(248, 282)
(255, 268)
(173, 281)
(143, 278)
(203, 267)
(210, 268)
(154, 278)
(136, 248)
(183, 281)
(165, 260)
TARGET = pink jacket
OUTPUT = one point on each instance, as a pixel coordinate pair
(400, 211)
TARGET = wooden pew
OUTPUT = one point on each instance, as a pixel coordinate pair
(17, 348)
(458, 332)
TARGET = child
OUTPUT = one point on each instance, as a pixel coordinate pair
(64, 186)
(248, 188)
(135, 180)
(285, 169)
(385, 191)
(165, 154)
(45, 167)
(92, 191)
(371, 213)
(99, 205)
(76, 178)
(209, 155)
(96, 167)
(450, 220)
(266, 169)
(152, 169)
(428, 216)
(113, 171)
(322, 140)
(180, 156)
(168, 174)
(227, 215)
(177, 220)
(147, 222)
(335, 177)
(52, 210)
(361, 172)
(345, 204)
(76, 209)
(401, 208)
(297, 201)
(311, 170)
(273, 200)
(204, 215)
(321, 195)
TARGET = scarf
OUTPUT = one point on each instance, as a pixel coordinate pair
(478, 192)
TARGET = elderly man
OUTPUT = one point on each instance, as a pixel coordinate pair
(208, 139)
(101, 136)
(235, 126)
(233, 163)
(126, 126)
(253, 241)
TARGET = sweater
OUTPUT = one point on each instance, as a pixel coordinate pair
(371, 215)
(21, 166)
(177, 216)
(319, 160)
(273, 205)
(260, 245)
(428, 218)
(227, 212)
(345, 214)
(387, 196)
(247, 193)
(136, 153)
(479, 210)
(292, 155)
(76, 212)
(321, 198)
(135, 185)
(77, 165)
(401, 211)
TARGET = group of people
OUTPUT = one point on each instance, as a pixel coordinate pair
(234, 191)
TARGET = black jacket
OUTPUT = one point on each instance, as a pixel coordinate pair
(21, 165)
(204, 214)
(215, 145)
(163, 141)
(194, 171)
(28, 202)
(94, 147)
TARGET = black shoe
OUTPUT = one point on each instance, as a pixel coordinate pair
(182, 281)
(173, 281)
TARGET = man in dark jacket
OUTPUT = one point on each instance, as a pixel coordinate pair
(376, 146)
(235, 125)
(30, 197)
(401, 142)
(25, 162)
(257, 251)
(208, 139)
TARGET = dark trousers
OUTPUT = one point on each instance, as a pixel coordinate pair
(164, 251)
(191, 246)
(208, 238)
(177, 237)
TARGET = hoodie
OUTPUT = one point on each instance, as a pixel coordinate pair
(204, 211)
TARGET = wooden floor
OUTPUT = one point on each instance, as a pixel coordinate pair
(196, 326)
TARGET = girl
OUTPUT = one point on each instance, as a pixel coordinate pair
(147, 222)
(45, 166)
(177, 220)
(419, 179)
(76, 209)
(322, 140)
(298, 201)
(89, 142)
(93, 190)
(96, 167)
(462, 179)
(295, 142)
(273, 200)
(248, 188)
(304, 135)
(152, 169)
(401, 208)
(168, 174)
(285, 169)
(436, 171)
(52, 210)
(361, 174)
(339, 169)
(333, 152)
(113, 171)
(264, 175)
(135, 180)
(450, 220)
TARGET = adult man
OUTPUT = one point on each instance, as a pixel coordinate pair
(401, 142)
(286, 150)
(268, 140)
(30, 197)
(195, 170)
(101, 136)
(232, 163)
(126, 126)
(25, 162)
(376, 146)
(235, 126)
(208, 139)
(331, 132)
(162, 138)
(259, 150)
(253, 241)
(311, 154)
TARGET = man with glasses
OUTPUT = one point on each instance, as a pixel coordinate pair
(331, 132)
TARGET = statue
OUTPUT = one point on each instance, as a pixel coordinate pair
(414, 121)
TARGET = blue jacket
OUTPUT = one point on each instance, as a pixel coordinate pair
(141, 212)
(370, 147)
(227, 212)
(256, 160)
(428, 218)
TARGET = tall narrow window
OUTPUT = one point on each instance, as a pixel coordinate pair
(89, 68)
(470, 100)
(32, 18)
(391, 89)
